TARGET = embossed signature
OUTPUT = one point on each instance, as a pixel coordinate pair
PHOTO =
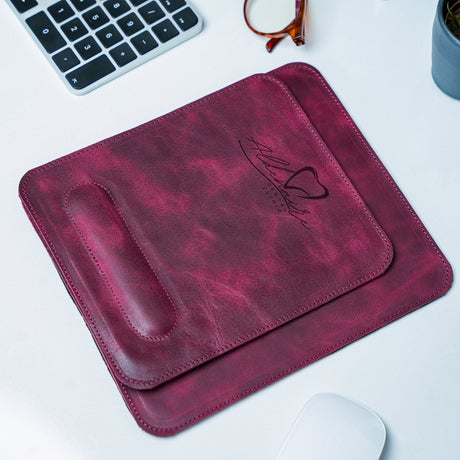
(294, 186)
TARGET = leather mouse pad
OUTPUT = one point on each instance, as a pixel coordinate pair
(231, 242)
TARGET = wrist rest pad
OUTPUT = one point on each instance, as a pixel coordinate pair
(225, 245)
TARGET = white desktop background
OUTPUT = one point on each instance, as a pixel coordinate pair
(57, 400)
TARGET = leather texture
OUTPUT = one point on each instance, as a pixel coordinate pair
(229, 243)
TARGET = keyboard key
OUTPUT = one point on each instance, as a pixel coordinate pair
(137, 2)
(109, 35)
(122, 54)
(185, 19)
(116, 7)
(24, 5)
(151, 12)
(144, 42)
(172, 5)
(61, 11)
(91, 72)
(95, 18)
(87, 48)
(165, 30)
(74, 29)
(66, 59)
(130, 24)
(81, 5)
(44, 30)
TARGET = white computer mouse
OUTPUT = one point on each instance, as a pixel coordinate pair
(332, 427)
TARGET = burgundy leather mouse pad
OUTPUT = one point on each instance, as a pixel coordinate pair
(227, 244)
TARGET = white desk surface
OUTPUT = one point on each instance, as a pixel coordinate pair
(57, 400)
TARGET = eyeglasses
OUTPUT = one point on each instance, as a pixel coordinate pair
(295, 29)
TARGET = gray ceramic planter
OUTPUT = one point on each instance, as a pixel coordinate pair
(446, 55)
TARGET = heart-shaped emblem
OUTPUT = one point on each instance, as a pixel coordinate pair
(306, 181)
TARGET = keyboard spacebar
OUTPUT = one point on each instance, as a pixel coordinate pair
(89, 73)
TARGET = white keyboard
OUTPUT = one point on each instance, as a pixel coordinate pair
(90, 42)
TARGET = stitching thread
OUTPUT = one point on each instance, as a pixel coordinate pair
(101, 271)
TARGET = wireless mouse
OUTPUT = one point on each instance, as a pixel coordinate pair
(332, 427)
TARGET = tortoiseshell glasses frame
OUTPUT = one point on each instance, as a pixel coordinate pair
(295, 29)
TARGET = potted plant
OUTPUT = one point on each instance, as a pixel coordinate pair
(453, 17)
(446, 47)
